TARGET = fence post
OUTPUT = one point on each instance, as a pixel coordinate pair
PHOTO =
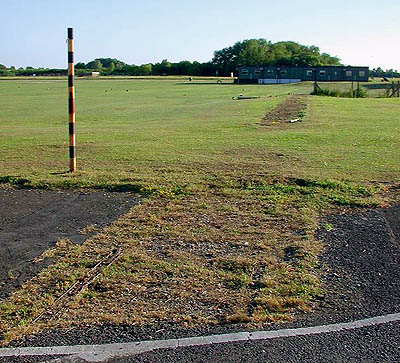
(71, 101)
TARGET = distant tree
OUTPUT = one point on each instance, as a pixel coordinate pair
(254, 52)
(105, 64)
(196, 69)
(226, 59)
(144, 70)
(2, 66)
(327, 59)
(95, 64)
(185, 67)
(80, 65)
(379, 72)
(262, 52)
(207, 69)
(127, 70)
(6, 72)
(162, 68)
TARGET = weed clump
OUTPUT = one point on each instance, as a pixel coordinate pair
(355, 93)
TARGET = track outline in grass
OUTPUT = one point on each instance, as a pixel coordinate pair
(291, 109)
(225, 238)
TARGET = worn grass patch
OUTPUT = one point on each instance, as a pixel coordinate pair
(242, 251)
(292, 109)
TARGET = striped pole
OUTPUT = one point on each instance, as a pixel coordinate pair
(71, 101)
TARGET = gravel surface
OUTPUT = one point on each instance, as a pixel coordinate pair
(31, 221)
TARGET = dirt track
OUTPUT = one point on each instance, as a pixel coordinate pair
(290, 109)
(31, 221)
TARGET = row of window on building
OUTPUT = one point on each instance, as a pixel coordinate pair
(309, 72)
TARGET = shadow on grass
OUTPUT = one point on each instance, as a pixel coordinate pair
(202, 83)
(135, 188)
(61, 173)
(144, 190)
(14, 180)
(377, 86)
(68, 184)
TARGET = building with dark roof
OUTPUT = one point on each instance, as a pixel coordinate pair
(283, 74)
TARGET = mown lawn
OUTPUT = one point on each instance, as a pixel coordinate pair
(128, 125)
(225, 232)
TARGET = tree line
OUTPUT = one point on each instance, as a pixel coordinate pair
(247, 52)
(379, 72)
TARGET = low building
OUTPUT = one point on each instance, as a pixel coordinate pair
(283, 74)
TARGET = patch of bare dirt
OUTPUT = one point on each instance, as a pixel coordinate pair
(289, 110)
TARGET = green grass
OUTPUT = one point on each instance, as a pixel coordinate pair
(154, 123)
(158, 129)
(229, 203)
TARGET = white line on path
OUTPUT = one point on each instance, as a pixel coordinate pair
(100, 353)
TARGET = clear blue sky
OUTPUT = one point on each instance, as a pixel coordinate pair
(33, 32)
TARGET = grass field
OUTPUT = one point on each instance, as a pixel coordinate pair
(230, 206)
(125, 128)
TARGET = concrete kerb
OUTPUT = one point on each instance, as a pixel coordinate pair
(99, 353)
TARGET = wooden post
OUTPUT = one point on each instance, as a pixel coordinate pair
(71, 101)
(315, 81)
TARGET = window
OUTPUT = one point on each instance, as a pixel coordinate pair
(349, 73)
(257, 72)
(362, 73)
(269, 71)
(309, 72)
(245, 71)
(283, 72)
(322, 73)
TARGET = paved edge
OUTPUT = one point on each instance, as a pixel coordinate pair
(99, 353)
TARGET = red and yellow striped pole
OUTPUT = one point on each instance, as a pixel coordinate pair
(71, 101)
